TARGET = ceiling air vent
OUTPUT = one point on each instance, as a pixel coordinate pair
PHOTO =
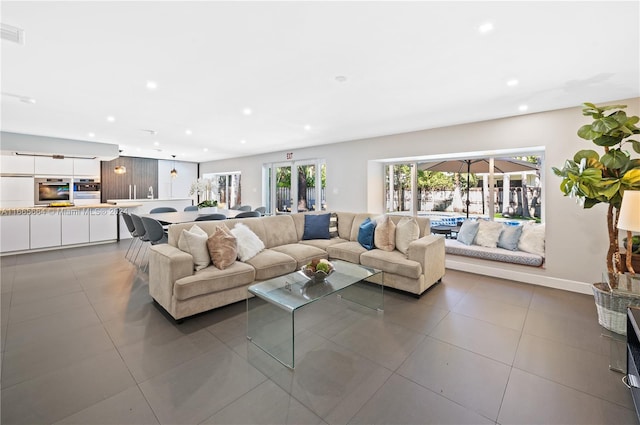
(11, 33)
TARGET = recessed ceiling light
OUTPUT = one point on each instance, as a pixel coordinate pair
(341, 78)
(91, 134)
(247, 111)
(156, 143)
(188, 132)
(513, 82)
(111, 118)
(205, 150)
(485, 28)
(522, 108)
(152, 85)
(243, 141)
(307, 127)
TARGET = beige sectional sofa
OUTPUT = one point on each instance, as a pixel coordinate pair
(183, 292)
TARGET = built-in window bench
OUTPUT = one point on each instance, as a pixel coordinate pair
(455, 247)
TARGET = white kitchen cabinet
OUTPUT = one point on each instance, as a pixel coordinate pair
(103, 224)
(14, 233)
(46, 229)
(75, 226)
(13, 164)
(86, 167)
(54, 167)
(16, 192)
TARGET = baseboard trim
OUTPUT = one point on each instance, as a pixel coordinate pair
(520, 276)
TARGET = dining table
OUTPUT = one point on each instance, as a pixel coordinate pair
(187, 216)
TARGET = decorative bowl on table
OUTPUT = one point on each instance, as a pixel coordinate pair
(318, 270)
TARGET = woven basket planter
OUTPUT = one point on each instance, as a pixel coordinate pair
(612, 310)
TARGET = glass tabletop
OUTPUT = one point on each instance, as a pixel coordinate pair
(296, 290)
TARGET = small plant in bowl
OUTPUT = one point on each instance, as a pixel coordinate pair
(318, 269)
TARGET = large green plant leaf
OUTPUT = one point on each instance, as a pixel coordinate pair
(605, 140)
(586, 132)
(604, 125)
(614, 159)
(631, 178)
(586, 153)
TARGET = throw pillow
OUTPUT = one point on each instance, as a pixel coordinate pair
(316, 226)
(249, 244)
(194, 241)
(532, 239)
(509, 237)
(488, 233)
(407, 231)
(333, 225)
(384, 236)
(468, 232)
(365, 234)
(223, 247)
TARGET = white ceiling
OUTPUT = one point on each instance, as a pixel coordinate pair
(408, 66)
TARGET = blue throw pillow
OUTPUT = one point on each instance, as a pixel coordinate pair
(468, 232)
(509, 237)
(366, 233)
(316, 226)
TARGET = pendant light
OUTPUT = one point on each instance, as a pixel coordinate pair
(174, 172)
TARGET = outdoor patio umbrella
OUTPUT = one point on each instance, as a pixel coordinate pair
(478, 166)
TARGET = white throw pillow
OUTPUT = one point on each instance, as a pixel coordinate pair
(407, 231)
(194, 241)
(249, 244)
(488, 233)
(532, 239)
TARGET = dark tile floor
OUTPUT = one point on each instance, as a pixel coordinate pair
(83, 343)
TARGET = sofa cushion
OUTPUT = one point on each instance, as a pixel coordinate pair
(468, 231)
(384, 236)
(366, 233)
(355, 225)
(316, 226)
(212, 279)
(270, 263)
(323, 244)
(223, 247)
(391, 262)
(194, 241)
(278, 230)
(347, 251)
(249, 244)
(488, 233)
(407, 231)
(509, 237)
(302, 253)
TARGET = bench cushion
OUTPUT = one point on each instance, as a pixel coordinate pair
(455, 247)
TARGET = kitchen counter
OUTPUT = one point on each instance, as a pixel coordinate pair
(145, 200)
(38, 210)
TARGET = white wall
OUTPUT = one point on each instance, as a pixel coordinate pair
(576, 239)
(179, 186)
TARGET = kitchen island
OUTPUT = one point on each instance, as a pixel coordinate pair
(27, 229)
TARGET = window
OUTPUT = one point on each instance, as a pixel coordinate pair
(226, 188)
(463, 185)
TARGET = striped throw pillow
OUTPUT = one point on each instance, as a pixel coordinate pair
(333, 225)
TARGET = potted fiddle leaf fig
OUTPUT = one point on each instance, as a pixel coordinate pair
(593, 178)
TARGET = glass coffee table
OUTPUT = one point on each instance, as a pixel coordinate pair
(271, 313)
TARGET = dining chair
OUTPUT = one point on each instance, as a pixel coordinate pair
(132, 231)
(261, 210)
(191, 208)
(247, 214)
(155, 233)
(243, 208)
(162, 210)
(142, 235)
(208, 217)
